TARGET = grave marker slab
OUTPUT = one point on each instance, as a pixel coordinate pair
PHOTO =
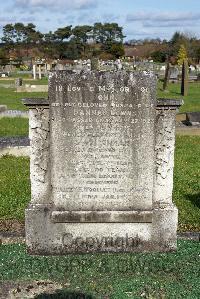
(101, 165)
(193, 118)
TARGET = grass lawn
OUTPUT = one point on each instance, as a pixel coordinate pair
(110, 276)
(191, 102)
(43, 81)
(186, 192)
(13, 126)
(15, 185)
(12, 99)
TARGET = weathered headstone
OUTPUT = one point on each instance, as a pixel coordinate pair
(3, 108)
(184, 81)
(118, 65)
(94, 64)
(174, 74)
(34, 71)
(167, 76)
(18, 82)
(193, 118)
(102, 156)
(39, 71)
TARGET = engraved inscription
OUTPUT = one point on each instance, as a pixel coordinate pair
(103, 129)
(103, 243)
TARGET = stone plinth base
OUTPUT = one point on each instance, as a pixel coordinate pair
(45, 236)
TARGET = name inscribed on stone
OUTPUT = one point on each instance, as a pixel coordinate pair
(102, 140)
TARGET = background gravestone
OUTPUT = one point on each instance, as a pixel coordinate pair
(167, 77)
(102, 151)
(184, 79)
(94, 64)
(18, 82)
(193, 118)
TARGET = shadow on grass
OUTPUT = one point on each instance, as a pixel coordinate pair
(194, 199)
(64, 294)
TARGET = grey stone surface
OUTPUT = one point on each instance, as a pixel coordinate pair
(98, 140)
(16, 146)
(31, 102)
(14, 141)
(39, 154)
(14, 113)
(17, 151)
(193, 118)
(18, 82)
(102, 157)
(162, 102)
(3, 108)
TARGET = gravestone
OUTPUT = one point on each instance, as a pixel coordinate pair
(34, 71)
(94, 64)
(174, 74)
(102, 156)
(18, 82)
(184, 79)
(3, 108)
(167, 76)
(193, 118)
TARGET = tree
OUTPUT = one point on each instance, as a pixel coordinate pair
(107, 33)
(31, 35)
(98, 33)
(197, 54)
(158, 56)
(49, 37)
(63, 33)
(82, 33)
(113, 33)
(117, 50)
(182, 55)
(8, 34)
(72, 50)
(187, 39)
(79, 42)
(19, 34)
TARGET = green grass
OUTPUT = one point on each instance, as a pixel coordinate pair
(15, 185)
(111, 276)
(12, 99)
(43, 81)
(191, 102)
(13, 126)
(187, 181)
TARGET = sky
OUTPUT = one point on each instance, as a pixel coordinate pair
(139, 18)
